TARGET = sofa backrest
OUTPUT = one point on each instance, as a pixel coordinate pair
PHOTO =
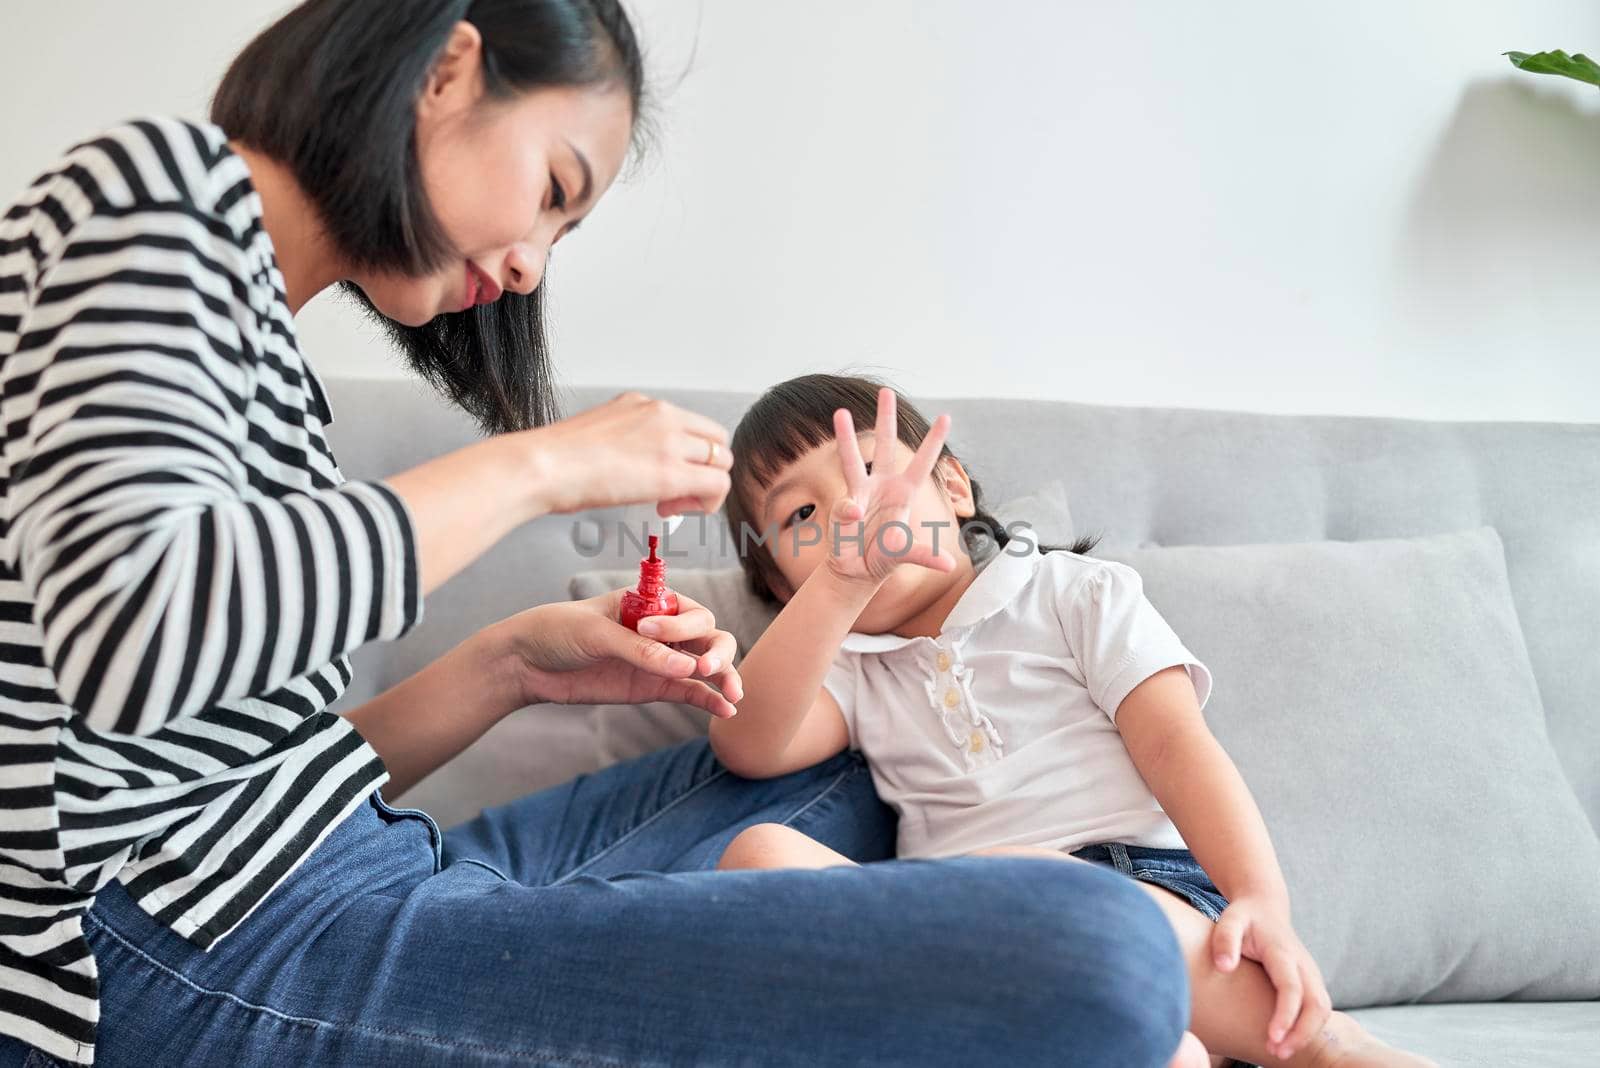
(1137, 476)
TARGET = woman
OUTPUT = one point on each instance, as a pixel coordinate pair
(195, 863)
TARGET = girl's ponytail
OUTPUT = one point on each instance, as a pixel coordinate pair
(984, 525)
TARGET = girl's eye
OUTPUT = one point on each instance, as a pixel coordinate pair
(800, 514)
(558, 195)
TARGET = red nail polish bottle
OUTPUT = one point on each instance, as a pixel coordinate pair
(652, 598)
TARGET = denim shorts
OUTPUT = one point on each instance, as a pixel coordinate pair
(1171, 869)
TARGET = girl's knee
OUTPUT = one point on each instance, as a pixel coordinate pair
(763, 845)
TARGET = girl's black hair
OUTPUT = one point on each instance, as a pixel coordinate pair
(330, 91)
(796, 416)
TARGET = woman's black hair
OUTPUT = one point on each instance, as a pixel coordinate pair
(330, 91)
(796, 416)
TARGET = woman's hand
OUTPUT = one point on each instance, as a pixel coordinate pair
(878, 504)
(1260, 930)
(629, 450)
(575, 652)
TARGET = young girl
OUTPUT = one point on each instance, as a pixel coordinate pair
(1008, 700)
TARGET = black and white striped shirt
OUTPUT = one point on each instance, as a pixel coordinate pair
(182, 566)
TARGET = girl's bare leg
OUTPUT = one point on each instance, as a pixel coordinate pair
(1230, 1010)
(773, 845)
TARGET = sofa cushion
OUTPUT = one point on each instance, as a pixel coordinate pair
(1377, 697)
(1561, 1034)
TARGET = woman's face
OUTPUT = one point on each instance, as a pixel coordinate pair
(507, 179)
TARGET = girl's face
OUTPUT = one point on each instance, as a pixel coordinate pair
(794, 512)
(507, 179)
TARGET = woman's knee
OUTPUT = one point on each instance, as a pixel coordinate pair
(1096, 940)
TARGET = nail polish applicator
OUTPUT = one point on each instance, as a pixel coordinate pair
(652, 597)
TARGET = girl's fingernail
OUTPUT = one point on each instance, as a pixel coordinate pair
(712, 663)
(649, 628)
(682, 662)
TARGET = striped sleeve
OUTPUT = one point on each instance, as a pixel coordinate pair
(167, 575)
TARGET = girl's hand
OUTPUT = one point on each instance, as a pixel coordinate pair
(575, 652)
(1260, 930)
(878, 499)
(629, 450)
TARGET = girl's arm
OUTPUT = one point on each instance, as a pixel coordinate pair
(787, 720)
(1206, 798)
(1199, 787)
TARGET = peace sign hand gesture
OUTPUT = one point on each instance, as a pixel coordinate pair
(870, 528)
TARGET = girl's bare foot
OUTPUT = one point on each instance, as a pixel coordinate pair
(1343, 1043)
(1191, 1054)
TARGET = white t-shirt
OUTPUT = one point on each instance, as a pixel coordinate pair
(1001, 730)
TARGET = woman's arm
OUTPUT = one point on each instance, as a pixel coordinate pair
(632, 448)
(419, 725)
(571, 652)
(166, 582)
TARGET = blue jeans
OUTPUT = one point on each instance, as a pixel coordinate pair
(581, 927)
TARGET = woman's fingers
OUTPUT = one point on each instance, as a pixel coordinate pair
(692, 621)
(679, 505)
(712, 653)
(694, 631)
(639, 408)
(644, 652)
(708, 452)
(635, 448)
(711, 455)
(703, 484)
(699, 425)
(696, 693)
(716, 667)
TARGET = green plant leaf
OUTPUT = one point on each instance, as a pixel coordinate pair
(1577, 66)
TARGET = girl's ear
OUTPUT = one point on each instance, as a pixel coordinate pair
(953, 479)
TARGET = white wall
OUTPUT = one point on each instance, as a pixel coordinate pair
(1353, 207)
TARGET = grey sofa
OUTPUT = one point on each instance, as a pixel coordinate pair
(1141, 477)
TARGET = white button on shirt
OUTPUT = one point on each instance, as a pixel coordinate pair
(1001, 730)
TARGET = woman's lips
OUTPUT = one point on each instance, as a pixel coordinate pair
(481, 289)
